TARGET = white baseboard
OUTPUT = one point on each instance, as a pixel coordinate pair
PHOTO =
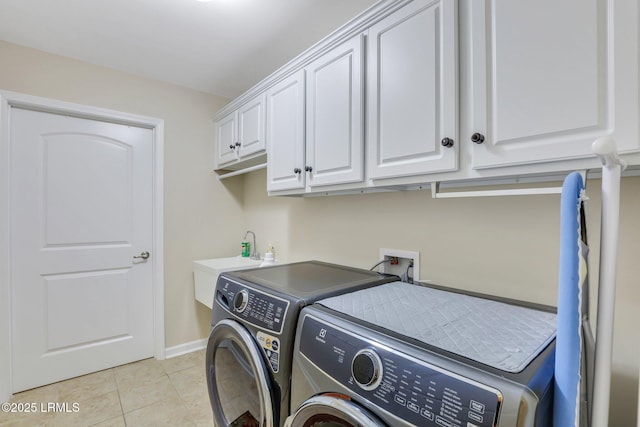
(188, 347)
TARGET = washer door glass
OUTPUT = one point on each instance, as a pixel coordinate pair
(237, 378)
(331, 411)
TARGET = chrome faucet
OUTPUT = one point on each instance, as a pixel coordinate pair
(254, 252)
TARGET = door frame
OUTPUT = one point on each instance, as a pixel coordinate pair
(8, 100)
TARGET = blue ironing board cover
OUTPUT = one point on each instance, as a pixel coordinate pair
(572, 275)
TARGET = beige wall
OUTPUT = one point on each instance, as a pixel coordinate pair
(196, 204)
(498, 245)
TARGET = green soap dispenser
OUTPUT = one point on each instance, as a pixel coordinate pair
(246, 249)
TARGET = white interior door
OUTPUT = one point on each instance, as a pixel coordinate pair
(80, 210)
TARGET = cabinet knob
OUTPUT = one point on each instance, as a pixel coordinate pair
(297, 170)
(447, 142)
(477, 138)
(238, 144)
(232, 146)
(308, 168)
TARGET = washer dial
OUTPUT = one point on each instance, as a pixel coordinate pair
(240, 300)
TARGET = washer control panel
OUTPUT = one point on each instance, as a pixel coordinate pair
(411, 389)
(252, 306)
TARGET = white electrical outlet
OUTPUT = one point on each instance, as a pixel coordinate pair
(404, 260)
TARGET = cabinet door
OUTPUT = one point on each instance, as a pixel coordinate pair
(227, 138)
(334, 126)
(412, 90)
(547, 78)
(285, 134)
(251, 129)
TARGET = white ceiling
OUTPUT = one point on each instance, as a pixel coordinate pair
(222, 47)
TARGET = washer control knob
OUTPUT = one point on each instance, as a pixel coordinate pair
(240, 300)
(366, 368)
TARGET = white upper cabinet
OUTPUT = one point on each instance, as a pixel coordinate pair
(285, 134)
(412, 115)
(547, 79)
(241, 133)
(418, 91)
(328, 147)
(334, 111)
(226, 137)
(251, 127)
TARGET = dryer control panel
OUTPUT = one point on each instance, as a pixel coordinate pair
(252, 306)
(409, 388)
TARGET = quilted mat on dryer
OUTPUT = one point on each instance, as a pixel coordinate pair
(501, 335)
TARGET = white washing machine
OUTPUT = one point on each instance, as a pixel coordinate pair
(401, 355)
(254, 319)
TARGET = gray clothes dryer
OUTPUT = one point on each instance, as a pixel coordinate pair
(254, 320)
(409, 355)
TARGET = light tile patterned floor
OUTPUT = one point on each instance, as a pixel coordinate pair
(152, 393)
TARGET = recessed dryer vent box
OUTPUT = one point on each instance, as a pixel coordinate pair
(405, 258)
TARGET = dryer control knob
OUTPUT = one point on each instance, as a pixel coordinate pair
(240, 300)
(366, 369)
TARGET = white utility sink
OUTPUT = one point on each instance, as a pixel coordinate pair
(206, 271)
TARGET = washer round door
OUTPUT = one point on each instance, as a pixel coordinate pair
(329, 410)
(237, 378)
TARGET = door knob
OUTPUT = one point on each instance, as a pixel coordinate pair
(143, 255)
